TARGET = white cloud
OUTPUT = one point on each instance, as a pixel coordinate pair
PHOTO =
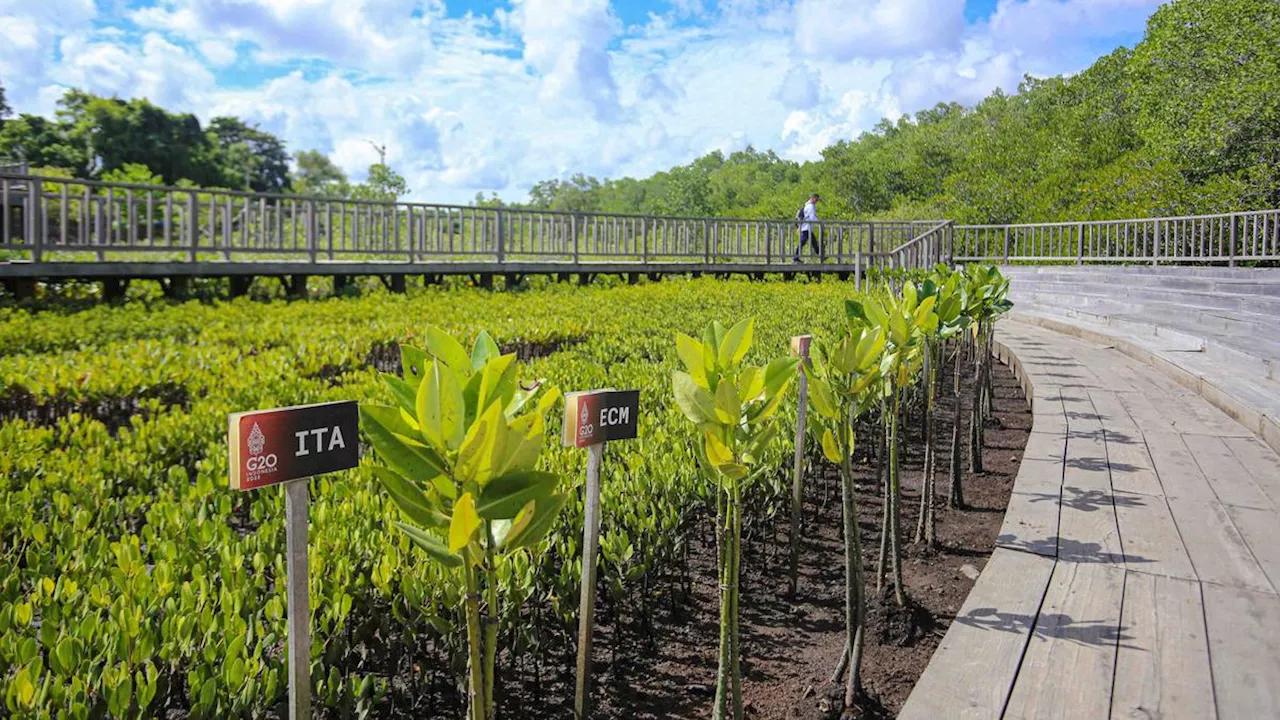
(845, 29)
(545, 88)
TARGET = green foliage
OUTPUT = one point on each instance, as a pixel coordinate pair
(316, 174)
(383, 183)
(153, 560)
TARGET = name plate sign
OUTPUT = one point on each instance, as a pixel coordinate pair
(800, 346)
(269, 447)
(598, 416)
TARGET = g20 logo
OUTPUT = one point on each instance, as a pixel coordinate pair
(265, 463)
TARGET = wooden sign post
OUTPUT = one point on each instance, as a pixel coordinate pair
(800, 349)
(270, 447)
(590, 420)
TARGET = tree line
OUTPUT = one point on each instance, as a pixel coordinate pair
(1185, 122)
(101, 138)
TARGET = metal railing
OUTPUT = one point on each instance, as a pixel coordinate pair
(1203, 239)
(57, 218)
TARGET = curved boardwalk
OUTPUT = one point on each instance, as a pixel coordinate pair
(1138, 568)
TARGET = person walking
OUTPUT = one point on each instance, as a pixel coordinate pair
(807, 215)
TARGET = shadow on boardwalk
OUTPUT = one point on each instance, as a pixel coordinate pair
(1056, 626)
(1068, 550)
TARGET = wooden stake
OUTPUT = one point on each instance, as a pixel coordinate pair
(587, 604)
(797, 480)
(296, 501)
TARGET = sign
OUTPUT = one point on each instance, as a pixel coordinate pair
(599, 416)
(800, 346)
(269, 447)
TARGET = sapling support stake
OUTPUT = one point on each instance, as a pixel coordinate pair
(799, 345)
(587, 600)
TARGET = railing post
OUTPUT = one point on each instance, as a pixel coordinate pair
(573, 228)
(871, 238)
(644, 240)
(1231, 254)
(706, 243)
(1080, 244)
(312, 241)
(857, 269)
(501, 244)
(35, 234)
(1155, 246)
(1006, 244)
(193, 224)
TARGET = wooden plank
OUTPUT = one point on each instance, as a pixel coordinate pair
(1031, 520)
(1149, 537)
(1069, 664)
(1244, 650)
(1230, 481)
(1162, 666)
(1179, 473)
(1132, 470)
(974, 666)
(1259, 530)
(1111, 411)
(1218, 553)
(1260, 462)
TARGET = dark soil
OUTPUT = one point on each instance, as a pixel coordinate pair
(385, 356)
(113, 411)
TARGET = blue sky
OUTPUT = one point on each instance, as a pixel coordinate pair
(493, 95)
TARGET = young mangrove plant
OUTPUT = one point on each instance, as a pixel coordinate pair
(460, 459)
(843, 385)
(733, 406)
(945, 285)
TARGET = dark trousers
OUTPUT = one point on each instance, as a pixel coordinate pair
(807, 236)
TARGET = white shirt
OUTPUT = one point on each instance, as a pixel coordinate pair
(810, 213)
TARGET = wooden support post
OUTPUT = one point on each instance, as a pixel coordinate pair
(176, 288)
(298, 286)
(587, 602)
(340, 284)
(397, 283)
(22, 288)
(485, 281)
(35, 212)
(1231, 253)
(113, 289)
(296, 500)
(584, 279)
(633, 278)
(562, 277)
(240, 285)
(655, 277)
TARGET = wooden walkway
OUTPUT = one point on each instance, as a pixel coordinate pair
(1138, 568)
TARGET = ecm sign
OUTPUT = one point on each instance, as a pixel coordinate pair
(274, 446)
(598, 416)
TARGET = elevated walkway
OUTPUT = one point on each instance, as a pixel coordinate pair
(1137, 570)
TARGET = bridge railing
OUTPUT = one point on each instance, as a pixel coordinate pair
(68, 219)
(1203, 239)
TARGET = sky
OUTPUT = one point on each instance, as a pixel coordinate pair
(494, 95)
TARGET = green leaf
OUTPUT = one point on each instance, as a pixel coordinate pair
(778, 373)
(695, 402)
(497, 382)
(524, 443)
(691, 354)
(736, 343)
(410, 498)
(752, 382)
(413, 363)
(484, 350)
(822, 400)
(710, 346)
(449, 351)
(482, 453)
(463, 524)
(532, 531)
(440, 409)
(432, 545)
(728, 405)
(717, 452)
(830, 449)
(406, 456)
(505, 496)
(869, 348)
(405, 394)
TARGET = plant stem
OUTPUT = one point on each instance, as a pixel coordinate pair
(855, 600)
(882, 475)
(955, 496)
(735, 659)
(474, 647)
(490, 620)
(722, 571)
(895, 514)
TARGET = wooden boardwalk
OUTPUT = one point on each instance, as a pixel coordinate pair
(1137, 573)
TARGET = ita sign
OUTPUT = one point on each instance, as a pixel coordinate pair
(590, 420)
(271, 447)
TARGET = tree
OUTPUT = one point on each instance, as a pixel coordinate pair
(42, 143)
(250, 158)
(5, 110)
(1206, 86)
(383, 184)
(315, 174)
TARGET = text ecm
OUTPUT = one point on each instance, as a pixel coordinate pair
(335, 440)
(615, 415)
